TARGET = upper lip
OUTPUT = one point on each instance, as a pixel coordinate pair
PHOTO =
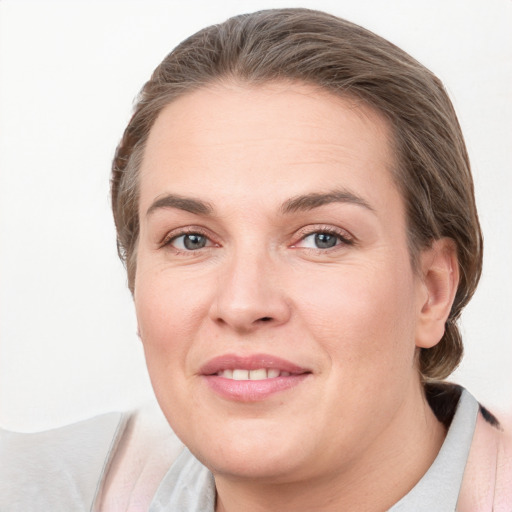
(251, 362)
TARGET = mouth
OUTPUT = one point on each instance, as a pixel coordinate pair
(259, 374)
(251, 378)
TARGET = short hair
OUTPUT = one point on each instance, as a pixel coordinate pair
(432, 168)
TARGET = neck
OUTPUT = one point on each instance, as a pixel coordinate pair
(388, 469)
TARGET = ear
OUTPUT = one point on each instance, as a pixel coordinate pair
(440, 278)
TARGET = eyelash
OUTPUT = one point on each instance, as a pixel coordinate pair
(173, 236)
(343, 238)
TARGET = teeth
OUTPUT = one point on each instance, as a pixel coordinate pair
(259, 374)
(240, 374)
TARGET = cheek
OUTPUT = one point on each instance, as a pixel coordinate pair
(169, 310)
(168, 315)
(363, 316)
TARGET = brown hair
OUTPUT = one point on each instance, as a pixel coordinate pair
(313, 47)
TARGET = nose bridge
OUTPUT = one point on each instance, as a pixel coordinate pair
(248, 293)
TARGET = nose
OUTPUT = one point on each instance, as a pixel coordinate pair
(249, 295)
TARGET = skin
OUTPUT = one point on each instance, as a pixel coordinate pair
(357, 432)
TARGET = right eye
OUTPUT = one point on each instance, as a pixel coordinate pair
(321, 240)
(190, 242)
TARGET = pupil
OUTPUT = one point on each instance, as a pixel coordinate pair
(194, 241)
(324, 240)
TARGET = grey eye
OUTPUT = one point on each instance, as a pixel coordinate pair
(320, 240)
(190, 242)
(325, 240)
(194, 241)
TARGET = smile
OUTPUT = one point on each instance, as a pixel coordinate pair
(253, 378)
(259, 374)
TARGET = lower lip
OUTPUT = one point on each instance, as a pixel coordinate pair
(252, 390)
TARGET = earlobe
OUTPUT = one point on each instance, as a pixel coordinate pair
(440, 275)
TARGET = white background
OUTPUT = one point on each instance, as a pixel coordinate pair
(68, 74)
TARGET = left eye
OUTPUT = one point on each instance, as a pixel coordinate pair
(190, 242)
(321, 240)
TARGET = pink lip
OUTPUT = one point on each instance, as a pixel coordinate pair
(252, 362)
(251, 390)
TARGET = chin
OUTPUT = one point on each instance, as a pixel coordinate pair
(246, 454)
(260, 466)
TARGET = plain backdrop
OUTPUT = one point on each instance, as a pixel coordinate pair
(69, 72)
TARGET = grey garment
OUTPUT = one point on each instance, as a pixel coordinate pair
(440, 486)
(62, 470)
(189, 487)
(57, 470)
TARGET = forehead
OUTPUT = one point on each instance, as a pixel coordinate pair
(232, 140)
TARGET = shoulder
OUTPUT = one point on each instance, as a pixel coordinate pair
(145, 453)
(487, 480)
(56, 469)
(504, 468)
(113, 459)
(487, 483)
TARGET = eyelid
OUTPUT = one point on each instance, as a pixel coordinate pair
(186, 230)
(345, 237)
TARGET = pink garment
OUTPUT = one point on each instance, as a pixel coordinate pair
(148, 448)
(146, 451)
(487, 483)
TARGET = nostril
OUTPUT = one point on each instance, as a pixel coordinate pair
(265, 319)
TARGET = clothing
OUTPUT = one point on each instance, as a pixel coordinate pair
(113, 463)
(57, 470)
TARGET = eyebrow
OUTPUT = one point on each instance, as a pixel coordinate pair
(295, 204)
(188, 204)
(315, 200)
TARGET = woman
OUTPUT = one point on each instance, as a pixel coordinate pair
(295, 208)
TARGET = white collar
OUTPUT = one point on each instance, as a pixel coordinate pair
(189, 486)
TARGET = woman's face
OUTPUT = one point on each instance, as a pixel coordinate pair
(275, 297)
